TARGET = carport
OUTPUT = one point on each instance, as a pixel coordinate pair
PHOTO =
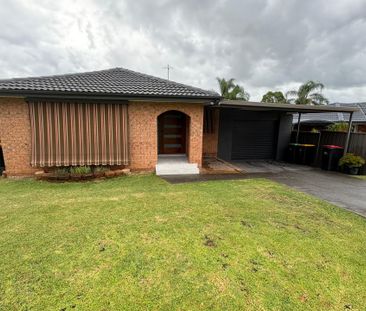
(262, 131)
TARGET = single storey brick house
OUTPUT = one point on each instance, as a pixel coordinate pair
(119, 117)
(114, 117)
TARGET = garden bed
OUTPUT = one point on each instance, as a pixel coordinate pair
(79, 173)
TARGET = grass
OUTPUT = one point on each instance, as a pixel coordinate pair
(139, 243)
(361, 177)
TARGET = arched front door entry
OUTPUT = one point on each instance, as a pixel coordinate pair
(172, 133)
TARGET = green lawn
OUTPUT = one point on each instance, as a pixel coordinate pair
(139, 243)
(362, 177)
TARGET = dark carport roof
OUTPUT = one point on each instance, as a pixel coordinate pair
(258, 106)
(115, 82)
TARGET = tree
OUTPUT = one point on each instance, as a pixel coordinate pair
(230, 90)
(307, 94)
(273, 97)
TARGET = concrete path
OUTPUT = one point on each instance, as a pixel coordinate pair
(268, 166)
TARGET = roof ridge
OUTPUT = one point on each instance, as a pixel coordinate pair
(165, 80)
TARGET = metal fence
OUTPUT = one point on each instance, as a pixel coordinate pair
(357, 142)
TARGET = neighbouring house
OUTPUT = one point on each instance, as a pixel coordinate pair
(321, 121)
(119, 117)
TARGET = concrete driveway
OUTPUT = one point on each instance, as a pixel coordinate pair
(342, 190)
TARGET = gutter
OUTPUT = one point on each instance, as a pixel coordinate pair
(36, 95)
(247, 105)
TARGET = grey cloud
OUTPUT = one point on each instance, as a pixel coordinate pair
(264, 44)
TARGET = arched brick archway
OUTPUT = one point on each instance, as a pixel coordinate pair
(143, 131)
(173, 132)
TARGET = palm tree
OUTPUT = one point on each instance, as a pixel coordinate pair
(230, 90)
(307, 95)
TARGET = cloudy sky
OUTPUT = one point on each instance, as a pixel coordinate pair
(263, 44)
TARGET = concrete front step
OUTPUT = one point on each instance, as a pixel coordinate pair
(175, 165)
(177, 169)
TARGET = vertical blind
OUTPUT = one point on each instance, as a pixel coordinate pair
(71, 134)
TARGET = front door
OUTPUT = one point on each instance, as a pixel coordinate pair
(172, 133)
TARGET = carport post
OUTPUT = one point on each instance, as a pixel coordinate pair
(346, 146)
(298, 128)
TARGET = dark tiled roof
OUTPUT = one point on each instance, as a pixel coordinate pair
(358, 116)
(110, 82)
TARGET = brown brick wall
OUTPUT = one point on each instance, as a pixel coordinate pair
(210, 140)
(15, 136)
(361, 128)
(143, 128)
(15, 133)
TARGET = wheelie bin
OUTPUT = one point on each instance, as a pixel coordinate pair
(306, 154)
(292, 152)
(330, 157)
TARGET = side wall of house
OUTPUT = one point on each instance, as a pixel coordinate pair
(15, 136)
(143, 127)
(284, 135)
(210, 140)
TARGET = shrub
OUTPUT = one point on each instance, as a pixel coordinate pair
(351, 160)
(62, 171)
(80, 170)
(338, 127)
(100, 169)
